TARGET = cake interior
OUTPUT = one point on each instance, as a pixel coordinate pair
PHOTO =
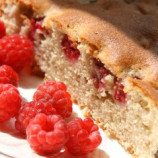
(116, 105)
(15, 17)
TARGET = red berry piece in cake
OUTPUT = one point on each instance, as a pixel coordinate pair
(104, 80)
(35, 25)
(119, 94)
(2, 29)
(47, 134)
(8, 75)
(16, 51)
(84, 136)
(10, 102)
(57, 93)
(99, 73)
(29, 111)
(70, 49)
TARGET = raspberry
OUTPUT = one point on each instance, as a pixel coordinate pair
(119, 94)
(10, 102)
(29, 111)
(102, 72)
(57, 93)
(99, 73)
(70, 49)
(16, 51)
(47, 134)
(84, 136)
(8, 75)
(2, 29)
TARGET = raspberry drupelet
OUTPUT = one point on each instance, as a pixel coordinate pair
(84, 136)
(47, 134)
(29, 111)
(57, 93)
(10, 102)
(8, 75)
(16, 51)
(2, 29)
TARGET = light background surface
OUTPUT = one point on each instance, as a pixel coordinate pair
(13, 146)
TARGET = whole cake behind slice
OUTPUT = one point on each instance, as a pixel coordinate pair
(107, 59)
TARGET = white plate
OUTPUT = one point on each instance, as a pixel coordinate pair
(12, 146)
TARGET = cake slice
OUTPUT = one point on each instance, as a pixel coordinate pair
(106, 53)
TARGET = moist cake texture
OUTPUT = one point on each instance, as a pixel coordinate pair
(106, 53)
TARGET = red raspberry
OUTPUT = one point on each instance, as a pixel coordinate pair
(2, 29)
(57, 93)
(119, 94)
(8, 75)
(29, 111)
(47, 134)
(70, 49)
(84, 136)
(99, 73)
(10, 102)
(16, 51)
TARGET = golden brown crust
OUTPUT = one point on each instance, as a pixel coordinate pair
(39, 6)
(146, 88)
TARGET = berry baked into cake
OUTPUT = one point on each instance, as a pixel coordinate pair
(106, 52)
